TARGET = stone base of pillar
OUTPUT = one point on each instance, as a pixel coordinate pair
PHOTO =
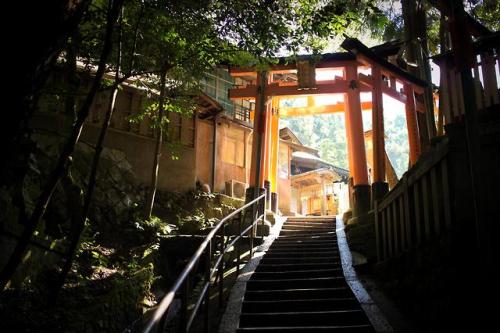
(361, 200)
(379, 189)
(274, 202)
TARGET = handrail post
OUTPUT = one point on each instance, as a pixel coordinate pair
(213, 274)
(207, 280)
(254, 215)
(184, 304)
(237, 245)
(263, 223)
(221, 268)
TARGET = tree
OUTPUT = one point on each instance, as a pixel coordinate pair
(65, 157)
(190, 37)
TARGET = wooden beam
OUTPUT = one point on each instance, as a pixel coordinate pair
(322, 109)
(367, 82)
(367, 56)
(411, 122)
(249, 92)
(335, 87)
(394, 94)
(283, 90)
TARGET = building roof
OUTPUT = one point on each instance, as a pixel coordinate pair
(290, 139)
(300, 155)
(316, 177)
(287, 134)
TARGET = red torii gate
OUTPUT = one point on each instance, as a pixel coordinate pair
(267, 87)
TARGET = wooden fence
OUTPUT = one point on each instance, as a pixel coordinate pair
(417, 209)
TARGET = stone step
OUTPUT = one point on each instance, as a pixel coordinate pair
(301, 293)
(291, 260)
(301, 226)
(303, 319)
(302, 248)
(298, 274)
(308, 233)
(310, 219)
(305, 233)
(302, 253)
(313, 329)
(301, 305)
(283, 284)
(303, 244)
(297, 266)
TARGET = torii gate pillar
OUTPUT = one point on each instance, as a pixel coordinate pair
(379, 185)
(259, 140)
(356, 145)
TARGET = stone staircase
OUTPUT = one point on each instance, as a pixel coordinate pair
(299, 285)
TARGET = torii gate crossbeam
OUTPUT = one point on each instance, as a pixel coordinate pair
(267, 87)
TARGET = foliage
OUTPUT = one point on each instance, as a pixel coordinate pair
(327, 134)
(487, 12)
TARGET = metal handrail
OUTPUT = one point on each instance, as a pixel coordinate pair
(156, 321)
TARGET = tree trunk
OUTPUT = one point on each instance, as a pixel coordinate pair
(66, 154)
(148, 207)
(77, 232)
(415, 29)
(72, 81)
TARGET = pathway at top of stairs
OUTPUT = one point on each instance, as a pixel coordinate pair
(299, 285)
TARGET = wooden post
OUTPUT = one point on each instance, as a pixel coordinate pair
(355, 128)
(273, 174)
(348, 135)
(378, 127)
(323, 196)
(265, 161)
(299, 201)
(361, 189)
(411, 123)
(258, 140)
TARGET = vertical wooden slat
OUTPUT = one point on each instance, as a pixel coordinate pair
(418, 226)
(426, 210)
(395, 227)
(489, 78)
(406, 199)
(392, 80)
(384, 235)
(377, 231)
(390, 251)
(446, 192)
(402, 223)
(453, 95)
(436, 209)
(444, 95)
(478, 89)
(460, 95)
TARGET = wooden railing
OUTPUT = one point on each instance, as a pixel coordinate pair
(212, 254)
(417, 209)
(484, 72)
